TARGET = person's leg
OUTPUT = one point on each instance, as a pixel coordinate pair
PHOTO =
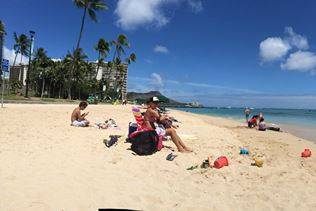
(79, 123)
(177, 140)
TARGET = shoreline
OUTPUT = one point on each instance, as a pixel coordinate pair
(302, 132)
(48, 165)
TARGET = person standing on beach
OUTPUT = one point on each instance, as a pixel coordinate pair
(78, 119)
(247, 113)
(152, 116)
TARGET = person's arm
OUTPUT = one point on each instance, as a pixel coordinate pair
(80, 116)
(154, 114)
(84, 115)
(158, 116)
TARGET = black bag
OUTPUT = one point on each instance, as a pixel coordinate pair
(145, 143)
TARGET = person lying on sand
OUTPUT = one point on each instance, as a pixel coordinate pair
(151, 117)
(78, 119)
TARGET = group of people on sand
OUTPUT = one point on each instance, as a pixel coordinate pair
(255, 120)
(152, 118)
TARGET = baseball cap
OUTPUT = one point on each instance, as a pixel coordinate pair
(154, 99)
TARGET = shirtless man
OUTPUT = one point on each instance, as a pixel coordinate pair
(78, 119)
(151, 116)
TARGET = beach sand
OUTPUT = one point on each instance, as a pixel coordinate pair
(45, 164)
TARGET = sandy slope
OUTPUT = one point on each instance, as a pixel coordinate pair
(47, 165)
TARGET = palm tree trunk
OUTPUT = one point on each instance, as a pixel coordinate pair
(81, 28)
(98, 66)
(53, 92)
(49, 88)
(16, 55)
(21, 59)
(59, 93)
(77, 47)
(43, 86)
(96, 75)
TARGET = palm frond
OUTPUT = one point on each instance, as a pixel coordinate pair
(79, 3)
(98, 5)
(92, 15)
(2, 28)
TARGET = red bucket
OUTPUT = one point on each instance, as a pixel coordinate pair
(221, 162)
(306, 153)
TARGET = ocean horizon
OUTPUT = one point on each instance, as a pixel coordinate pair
(299, 122)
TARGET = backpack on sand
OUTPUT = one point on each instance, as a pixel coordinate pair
(145, 143)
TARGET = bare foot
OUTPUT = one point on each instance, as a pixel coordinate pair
(188, 149)
(182, 150)
(185, 151)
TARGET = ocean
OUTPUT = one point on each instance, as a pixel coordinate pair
(300, 122)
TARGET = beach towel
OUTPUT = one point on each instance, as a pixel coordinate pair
(142, 128)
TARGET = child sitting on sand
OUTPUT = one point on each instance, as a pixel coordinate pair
(262, 125)
(78, 119)
(152, 117)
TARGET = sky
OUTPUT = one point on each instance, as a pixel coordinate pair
(219, 53)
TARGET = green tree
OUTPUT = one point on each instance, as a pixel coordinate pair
(121, 44)
(90, 6)
(21, 46)
(42, 65)
(15, 85)
(74, 62)
(103, 49)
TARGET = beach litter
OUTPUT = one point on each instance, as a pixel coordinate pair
(207, 163)
(306, 153)
(257, 162)
(244, 151)
(221, 162)
(192, 167)
(113, 140)
(171, 157)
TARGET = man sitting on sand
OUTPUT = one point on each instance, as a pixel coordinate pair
(152, 116)
(78, 119)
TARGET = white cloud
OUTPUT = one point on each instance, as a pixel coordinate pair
(303, 61)
(296, 40)
(156, 80)
(135, 13)
(196, 5)
(161, 49)
(57, 59)
(10, 55)
(132, 14)
(273, 48)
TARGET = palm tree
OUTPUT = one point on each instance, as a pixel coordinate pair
(21, 46)
(103, 48)
(120, 44)
(76, 60)
(42, 65)
(90, 6)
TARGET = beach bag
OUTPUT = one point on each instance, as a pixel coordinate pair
(262, 126)
(145, 143)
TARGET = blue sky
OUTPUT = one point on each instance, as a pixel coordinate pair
(220, 53)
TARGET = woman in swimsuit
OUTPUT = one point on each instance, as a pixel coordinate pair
(151, 116)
